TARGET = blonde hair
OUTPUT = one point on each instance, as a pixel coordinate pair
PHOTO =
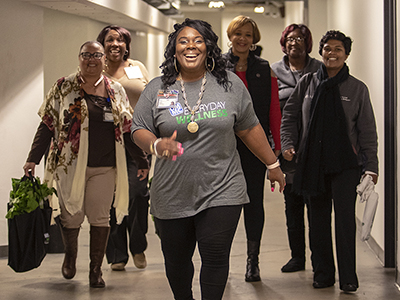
(240, 21)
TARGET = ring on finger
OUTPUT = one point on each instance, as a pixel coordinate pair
(165, 153)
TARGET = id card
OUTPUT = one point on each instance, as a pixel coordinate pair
(107, 114)
(133, 72)
(167, 99)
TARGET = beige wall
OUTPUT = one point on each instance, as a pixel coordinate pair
(21, 92)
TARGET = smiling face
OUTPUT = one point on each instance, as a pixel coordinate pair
(115, 46)
(295, 45)
(191, 52)
(91, 67)
(333, 56)
(242, 39)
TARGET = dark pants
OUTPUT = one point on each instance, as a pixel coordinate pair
(341, 188)
(213, 229)
(135, 224)
(294, 210)
(254, 172)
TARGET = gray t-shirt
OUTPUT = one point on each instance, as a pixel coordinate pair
(209, 173)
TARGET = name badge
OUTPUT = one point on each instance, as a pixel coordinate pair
(133, 72)
(167, 99)
(107, 114)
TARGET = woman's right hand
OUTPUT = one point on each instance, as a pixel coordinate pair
(276, 174)
(29, 166)
(168, 148)
(288, 154)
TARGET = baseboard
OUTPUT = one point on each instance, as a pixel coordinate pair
(373, 245)
(3, 251)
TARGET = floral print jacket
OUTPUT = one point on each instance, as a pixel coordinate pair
(65, 112)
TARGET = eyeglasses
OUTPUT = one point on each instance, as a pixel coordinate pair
(88, 55)
(297, 39)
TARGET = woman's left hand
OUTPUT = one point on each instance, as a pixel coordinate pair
(142, 174)
(274, 175)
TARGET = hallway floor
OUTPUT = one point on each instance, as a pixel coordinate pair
(46, 282)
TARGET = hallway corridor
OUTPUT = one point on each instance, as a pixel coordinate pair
(46, 282)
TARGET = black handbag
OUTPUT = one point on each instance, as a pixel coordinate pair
(28, 236)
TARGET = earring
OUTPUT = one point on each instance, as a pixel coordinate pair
(207, 65)
(176, 67)
(253, 47)
(229, 44)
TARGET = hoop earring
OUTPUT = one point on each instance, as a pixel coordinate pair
(229, 44)
(176, 67)
(253, 47)
(207, 65)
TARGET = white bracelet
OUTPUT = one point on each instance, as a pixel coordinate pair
(155, 147)
(274, 165)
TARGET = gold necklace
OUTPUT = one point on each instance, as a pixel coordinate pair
(193, 127)
(241, 66)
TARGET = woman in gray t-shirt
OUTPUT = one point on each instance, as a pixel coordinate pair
(188, 118)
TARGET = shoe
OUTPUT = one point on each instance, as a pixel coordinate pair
(140, 260)
(252, 267)
(321, 285)
(70, 239)
(349, 287)
(252, 270)
(98, 244)
(294, 265)
(118, 266)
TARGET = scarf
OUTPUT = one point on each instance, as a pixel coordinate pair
(327, 148)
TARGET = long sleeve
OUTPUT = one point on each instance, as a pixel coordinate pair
(275, 114)
(40, 143)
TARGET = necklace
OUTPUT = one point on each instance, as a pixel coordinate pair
(241, 66)
(96, 83)
(193, 127)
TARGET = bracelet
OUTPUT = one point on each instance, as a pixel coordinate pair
(155, 147)
(274, 165)
(152, 147)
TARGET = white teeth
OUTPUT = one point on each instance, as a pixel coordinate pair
(114, 51)
(332, 58)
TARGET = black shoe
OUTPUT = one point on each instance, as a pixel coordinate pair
(294, 265)
(349, 287)
(252, 271)
(321, 285)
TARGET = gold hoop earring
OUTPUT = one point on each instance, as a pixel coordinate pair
(229, 44)
(176, 67)
(253, 47)
(207, 65)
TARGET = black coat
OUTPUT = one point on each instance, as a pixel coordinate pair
(258, 76)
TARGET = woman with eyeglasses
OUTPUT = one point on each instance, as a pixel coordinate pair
(296, 43)
(133, 76)
(85, 120)
(256, 74)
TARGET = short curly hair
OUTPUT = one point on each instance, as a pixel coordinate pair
(168, 67)
(124, 33)
(336, 35)
(240, 21)
(304, 31)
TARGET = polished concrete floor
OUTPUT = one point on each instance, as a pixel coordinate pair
(46, 282)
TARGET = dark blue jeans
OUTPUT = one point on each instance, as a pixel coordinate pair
(213, 230)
